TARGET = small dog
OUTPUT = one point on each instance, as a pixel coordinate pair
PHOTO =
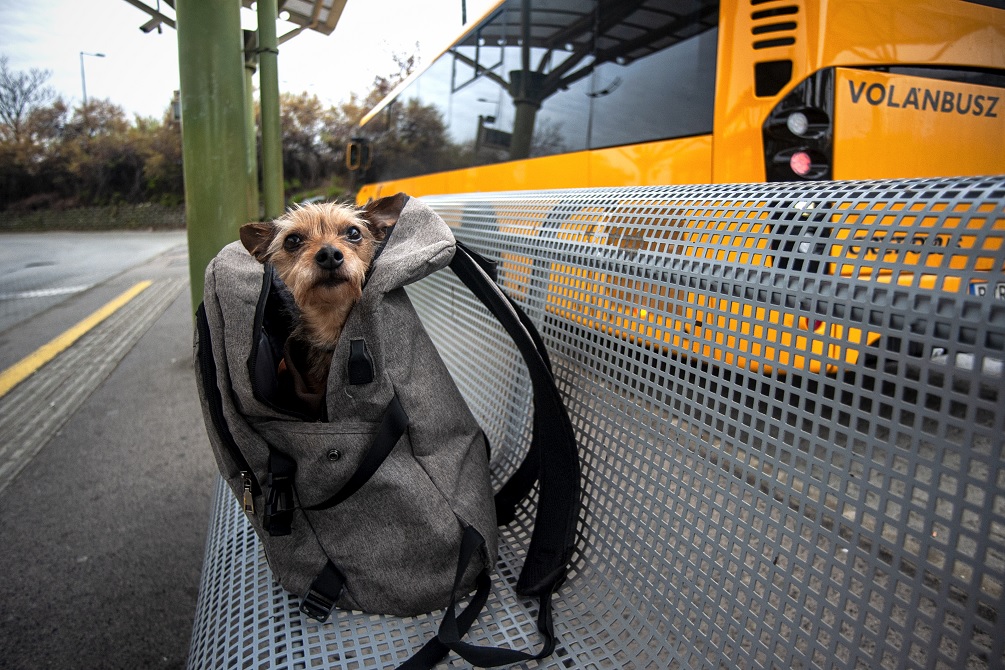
(322, 253)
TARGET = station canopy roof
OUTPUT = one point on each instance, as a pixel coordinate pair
(319, 15)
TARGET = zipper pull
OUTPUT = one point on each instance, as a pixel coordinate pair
(248, 498)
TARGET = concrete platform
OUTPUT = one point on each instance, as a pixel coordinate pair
(102, 531)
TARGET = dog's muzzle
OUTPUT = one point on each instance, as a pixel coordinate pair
(329, 258)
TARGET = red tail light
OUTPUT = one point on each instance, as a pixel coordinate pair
(801, 163)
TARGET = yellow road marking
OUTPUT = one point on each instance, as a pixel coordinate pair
(23, 369)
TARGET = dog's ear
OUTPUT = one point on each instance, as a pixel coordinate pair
(383, 214)
(256, 238)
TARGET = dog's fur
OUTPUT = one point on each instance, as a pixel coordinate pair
(322, 253)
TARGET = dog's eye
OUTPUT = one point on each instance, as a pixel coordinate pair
(292, 241)
(353, 234)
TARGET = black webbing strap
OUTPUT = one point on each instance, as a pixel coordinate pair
(454, 626)
(531, 330)
(554, 457)
(520, 483)
(324, 592)
(279, 502)
(360, 363)
(393, 425)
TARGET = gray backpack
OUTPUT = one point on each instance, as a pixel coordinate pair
(387, 506)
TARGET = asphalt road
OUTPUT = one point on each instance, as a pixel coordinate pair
(102, 529)
(39, 270)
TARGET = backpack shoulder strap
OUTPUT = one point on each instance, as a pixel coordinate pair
(553, 458)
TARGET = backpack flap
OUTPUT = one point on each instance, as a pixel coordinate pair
(418, 245)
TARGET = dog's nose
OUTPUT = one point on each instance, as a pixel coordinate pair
(328, 257)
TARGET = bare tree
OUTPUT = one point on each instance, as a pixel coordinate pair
(20, 94)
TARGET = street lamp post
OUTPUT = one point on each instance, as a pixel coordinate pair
(83, 80)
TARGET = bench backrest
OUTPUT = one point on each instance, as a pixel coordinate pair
(791, 404)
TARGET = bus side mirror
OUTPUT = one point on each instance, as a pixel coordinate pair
(357, 155)
(353, 157)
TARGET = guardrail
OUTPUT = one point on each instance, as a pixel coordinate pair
(791, 406)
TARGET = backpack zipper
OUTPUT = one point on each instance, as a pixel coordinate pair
(248, 497)
(207, 370)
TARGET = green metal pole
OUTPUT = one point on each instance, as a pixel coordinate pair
(213, 135)
(272, 148)
(254, 211)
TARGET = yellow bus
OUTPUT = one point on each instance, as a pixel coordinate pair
(543, 94)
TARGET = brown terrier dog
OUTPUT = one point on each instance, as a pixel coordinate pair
(322, 253)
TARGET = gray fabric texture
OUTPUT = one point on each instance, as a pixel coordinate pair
(396, 539)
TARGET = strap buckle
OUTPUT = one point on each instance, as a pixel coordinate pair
(323, 593)
(317, 606)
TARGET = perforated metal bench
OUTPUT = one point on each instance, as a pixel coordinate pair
(791, 406)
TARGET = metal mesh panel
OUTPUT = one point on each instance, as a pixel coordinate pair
(789, 401)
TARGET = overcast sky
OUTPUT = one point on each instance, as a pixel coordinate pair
(140, 71)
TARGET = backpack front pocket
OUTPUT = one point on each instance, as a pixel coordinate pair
(396, 539)
(326, 455)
